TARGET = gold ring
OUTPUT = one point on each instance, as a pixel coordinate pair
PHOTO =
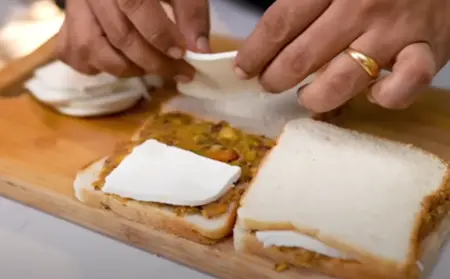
(367, 63)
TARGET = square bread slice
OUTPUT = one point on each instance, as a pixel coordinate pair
(197, 226)
(377, 201)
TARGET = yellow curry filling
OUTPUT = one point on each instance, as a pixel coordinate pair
(218, 141)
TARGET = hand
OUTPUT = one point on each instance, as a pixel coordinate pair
(296, 38)
(133, 37)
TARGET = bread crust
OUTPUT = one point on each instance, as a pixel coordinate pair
(409, 268)
(158, 218)
(344, 269)
(429, 254)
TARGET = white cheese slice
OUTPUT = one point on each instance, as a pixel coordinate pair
(108, 101)
(156, 172)
(215, 77)
(92, 111)
(123, 96)
(59, 76)
(132, 86)
(48, 95)
(284, 238)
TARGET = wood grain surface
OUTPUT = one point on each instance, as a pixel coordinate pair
(41, 151)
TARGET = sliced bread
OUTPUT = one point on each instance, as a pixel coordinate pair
(373, 199)
(199, 225)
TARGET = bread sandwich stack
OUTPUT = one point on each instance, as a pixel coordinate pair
(348, 204)
(286, 187)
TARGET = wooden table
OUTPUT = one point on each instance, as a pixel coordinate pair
(40, 152)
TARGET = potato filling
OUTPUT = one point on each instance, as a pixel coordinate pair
(218, 141)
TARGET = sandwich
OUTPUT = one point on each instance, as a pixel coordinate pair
(346, 204)
(179, 174)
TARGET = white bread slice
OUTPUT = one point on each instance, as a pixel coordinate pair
(365, 196)
(192, 227)
(430, 250)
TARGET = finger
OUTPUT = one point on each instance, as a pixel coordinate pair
(107, 59)
(344, 78)
(322, 69)
(151, 21)
(124, 37)
(414, 68)
(73, 45)
(61, 45)
(168, 9)
(311, 50)
(192, 18)
(280, 24)
(104, 58)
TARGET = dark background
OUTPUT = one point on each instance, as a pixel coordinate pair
(260, 4)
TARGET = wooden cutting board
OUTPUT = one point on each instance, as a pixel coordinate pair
(41, 151)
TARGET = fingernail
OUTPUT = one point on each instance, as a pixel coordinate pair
(175, 52)
(371, 99)
(203, 44)
(240, 73)
(299, 91)
(182, 79)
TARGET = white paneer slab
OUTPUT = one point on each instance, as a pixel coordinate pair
(284, 238)
(156, 172)
(125, 89)
(215, 78)
(59, 76)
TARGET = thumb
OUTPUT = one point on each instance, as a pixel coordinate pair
(192, 18)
